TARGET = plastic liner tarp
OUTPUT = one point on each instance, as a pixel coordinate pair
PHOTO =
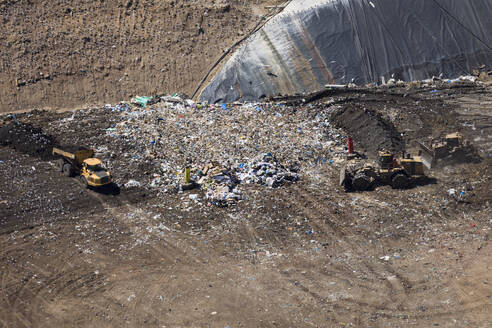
(314, 42)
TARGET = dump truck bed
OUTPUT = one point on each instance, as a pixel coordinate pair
(78, 156)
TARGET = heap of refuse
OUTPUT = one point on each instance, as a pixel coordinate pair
(223, 185)
(229, 147)
(240, 138)
(266, 170)
(220, 184)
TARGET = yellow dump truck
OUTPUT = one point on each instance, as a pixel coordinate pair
(82, 162)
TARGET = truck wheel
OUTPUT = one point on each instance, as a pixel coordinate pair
(84, 181)
(399, 181)
(67, 170)
(361, 182)
(59, 164)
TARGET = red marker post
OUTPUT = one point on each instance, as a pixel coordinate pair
(350, 145)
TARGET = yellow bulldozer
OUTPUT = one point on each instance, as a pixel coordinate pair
(399, 172)
(453, 148)
(82, 162)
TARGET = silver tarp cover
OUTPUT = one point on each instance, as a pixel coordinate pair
(317, 42)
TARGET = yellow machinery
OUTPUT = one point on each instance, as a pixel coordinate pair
(82, 162)
(399, 172)
(451, 148)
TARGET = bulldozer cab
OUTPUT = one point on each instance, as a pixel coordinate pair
(385, 160)
(412, 165)
(454, 140)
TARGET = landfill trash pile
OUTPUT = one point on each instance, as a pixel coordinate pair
(220, 184)
(223, 184)
(262, 143)
(266, 170)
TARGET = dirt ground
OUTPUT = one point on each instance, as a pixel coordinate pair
(66, 54)
(302, 255)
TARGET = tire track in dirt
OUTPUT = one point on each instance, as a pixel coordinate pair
(398, 289)
(24, 297)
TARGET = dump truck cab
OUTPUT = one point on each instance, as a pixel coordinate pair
(94, 173)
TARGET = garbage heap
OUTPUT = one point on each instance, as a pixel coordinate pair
(265, 169)
(229, 146)
(223, 185)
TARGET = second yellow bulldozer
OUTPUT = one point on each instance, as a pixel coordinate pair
(452, 148)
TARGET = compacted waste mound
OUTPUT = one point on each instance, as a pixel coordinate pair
(314, 43)
(27, 139)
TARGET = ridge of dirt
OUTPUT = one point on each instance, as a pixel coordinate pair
(371, 130)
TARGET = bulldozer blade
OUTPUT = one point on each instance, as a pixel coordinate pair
(427, 156)
(343, 171)
(427, 161)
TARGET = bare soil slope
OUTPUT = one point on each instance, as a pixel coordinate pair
(60, 54)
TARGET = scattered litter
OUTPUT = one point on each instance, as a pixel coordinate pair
(132, 184)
